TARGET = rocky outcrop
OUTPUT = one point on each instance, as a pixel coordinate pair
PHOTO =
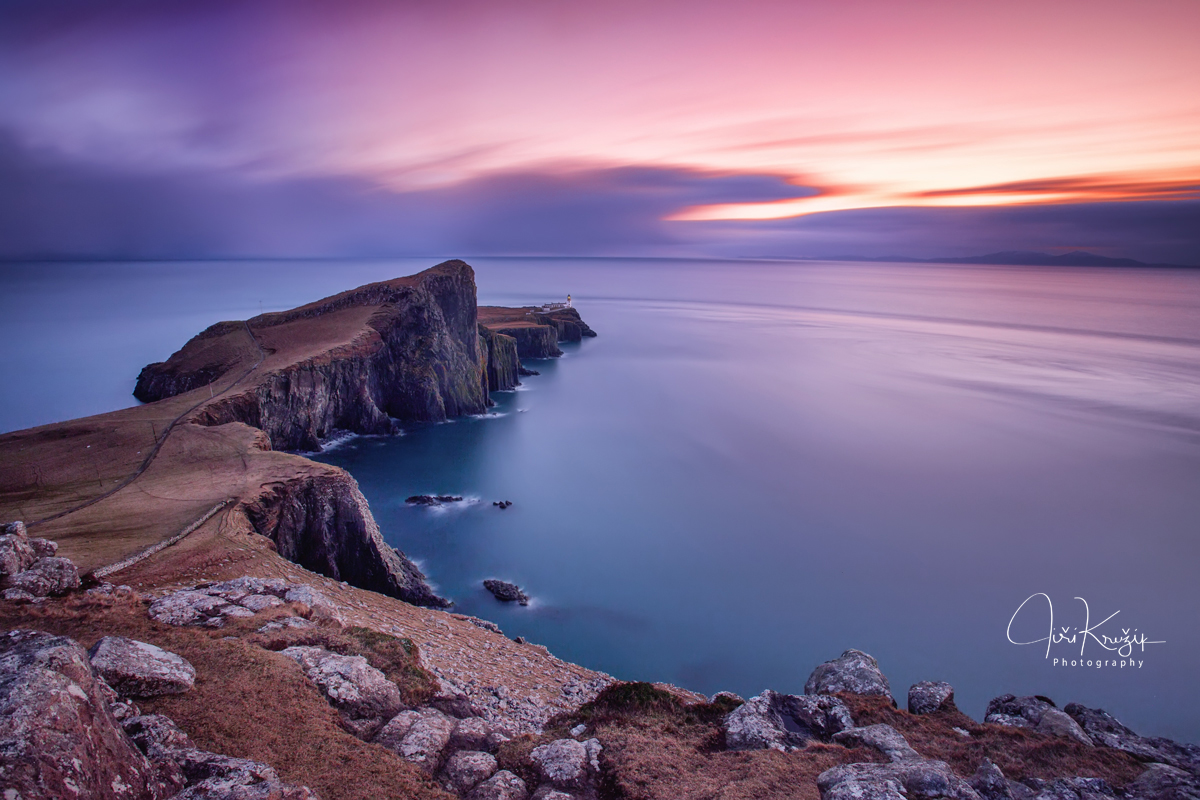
(853, 672)
(362, 694)
(1105, 730)
(322, 523)
(140, 669)
(1163, 782)
(466, 769)
(58, 738)
(784, 721)
(502, 786)
(46, 577)
(567, 322)
(418, 359)
(926, 697)
(568, 765)
(1038, 713)
(505, 591)
(418, 736)
(212, 603)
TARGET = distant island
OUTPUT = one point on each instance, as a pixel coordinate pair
(1018, 258)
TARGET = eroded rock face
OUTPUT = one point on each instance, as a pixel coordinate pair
(58, 739)
(926, 697)
(363, 694)
(140, 669)
(322, 523)
(853, 671)
(1036, 712)
(784, 722)
(501, 786)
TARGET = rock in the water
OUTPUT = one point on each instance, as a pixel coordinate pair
(503, 590)
(853, 671)
(363, 694)
(884, 738)
(1164, 782)
(925, 697)
(432, 499)
(1106, 731)
(48, 577)
(466, 769)
(501, 786)
(784, 721)
(140, 669)
(1036, 712)
(57, 736)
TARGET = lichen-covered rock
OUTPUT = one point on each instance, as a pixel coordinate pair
(784, 722)
(1069, 789)
(48, 577)
(501, 786)
(16, 554)
(926, 697)
(548, 792)
(853, 672)
(468, 768)
(140, 669)
(1036, 712)
(565, 763)
(260, 602)
(318, 602)
(187, 607)
(287, 622)
(230, 789)
(912, 779)
(884, 738)
(472, 733)
(43, 548)
(57, 737)
(363, 694)
(989, 782)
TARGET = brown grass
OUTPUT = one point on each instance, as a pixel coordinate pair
(251, 702)
(1019, 753)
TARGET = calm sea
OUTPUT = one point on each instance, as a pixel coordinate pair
(758, 465)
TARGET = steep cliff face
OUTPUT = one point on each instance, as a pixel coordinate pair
(503, 364)
(322, 522)
(412, 353)
(537, 332)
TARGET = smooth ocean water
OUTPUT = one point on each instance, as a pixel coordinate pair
(758, 465)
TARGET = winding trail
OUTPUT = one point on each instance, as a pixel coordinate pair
(137, 473)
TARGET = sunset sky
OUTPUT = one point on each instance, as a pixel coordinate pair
(919, 128)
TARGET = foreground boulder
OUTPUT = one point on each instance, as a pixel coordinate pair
(57, 737)
(501, 786)
(926, 697)
(466, 769)
(140, 669)
(1164, 782)
(363, 694)
(853, 671)
(784, 721)
(1036, 712)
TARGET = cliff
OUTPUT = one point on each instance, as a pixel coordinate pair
(536, 331)
(405, 350)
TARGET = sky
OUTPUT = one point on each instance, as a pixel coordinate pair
(753, 129)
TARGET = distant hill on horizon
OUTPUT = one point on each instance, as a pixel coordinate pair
(1022, 258)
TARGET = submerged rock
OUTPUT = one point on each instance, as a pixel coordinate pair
(508, 592)
(432, 499)
(853, 671)
(140, 669)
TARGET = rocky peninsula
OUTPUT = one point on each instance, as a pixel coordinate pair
(193, 612)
